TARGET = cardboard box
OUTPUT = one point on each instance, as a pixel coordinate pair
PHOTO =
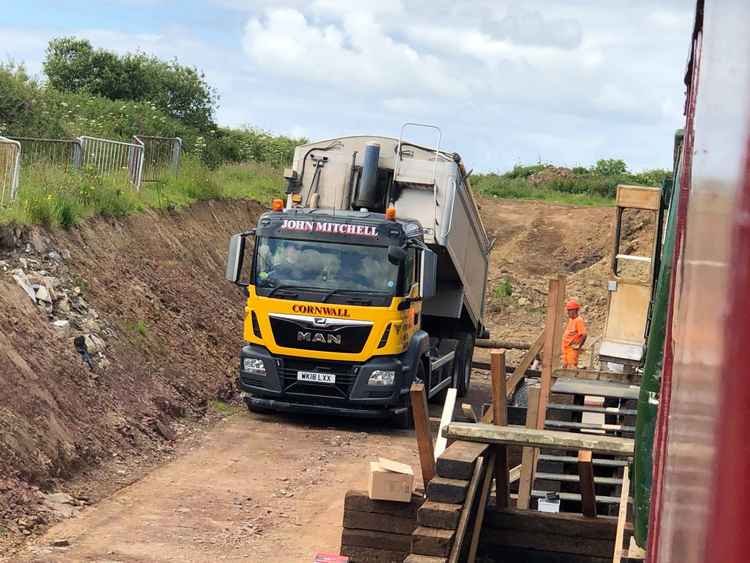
(390, 480)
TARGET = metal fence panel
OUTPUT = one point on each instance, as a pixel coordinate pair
(10, 169)
(161, 155)
(59, 152)
(108, 158)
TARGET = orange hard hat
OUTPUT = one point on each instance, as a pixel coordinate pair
(572, 305)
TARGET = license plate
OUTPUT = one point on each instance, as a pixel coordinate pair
(316, 377)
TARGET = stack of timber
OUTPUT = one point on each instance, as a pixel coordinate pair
(445, 519)
(378, 531)
(537, 537)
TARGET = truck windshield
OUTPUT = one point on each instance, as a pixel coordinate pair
(324, 265)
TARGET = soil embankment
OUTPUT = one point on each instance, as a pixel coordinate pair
(161, 330)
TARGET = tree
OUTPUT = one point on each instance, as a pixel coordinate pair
(73, 65)
(610, 167)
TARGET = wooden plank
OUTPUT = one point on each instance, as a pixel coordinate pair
(523, 365)
(358, 554)
(510, 344)
(431, 541)
(359, 501)
(596, 375)
(528, 456)
(514, 474)
(463, 521)
(568, 386)
(448, 407)
(424, 559)
(377, 540)
(549, 542)
(457, 462)
(551, 344)
(547, 523)
(439, 515)
(592, 408)
(622, 516)
(586, 477)
(500, 418)
(576, 478)
(484, 495)
(422, 430)
(518, 554)
(357, 520)
(519, 436)
(469, 412)
(441, 489)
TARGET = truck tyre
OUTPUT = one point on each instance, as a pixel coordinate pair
(405, 420)
(254, 408)
(462, 364)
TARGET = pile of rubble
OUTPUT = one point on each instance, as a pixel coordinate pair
(42, 273)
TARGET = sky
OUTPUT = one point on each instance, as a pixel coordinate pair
(507, 81)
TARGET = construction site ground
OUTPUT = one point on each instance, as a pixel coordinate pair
(137, 448)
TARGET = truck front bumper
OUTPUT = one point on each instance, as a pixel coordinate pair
(351, 395)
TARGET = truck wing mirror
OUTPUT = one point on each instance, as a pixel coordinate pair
(428, 274)
(235, 256)
(396, 255)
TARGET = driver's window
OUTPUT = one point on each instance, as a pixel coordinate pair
(410, 265)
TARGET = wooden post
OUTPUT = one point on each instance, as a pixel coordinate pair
(463, 521)
(622, 516)
(422, 428)
(586, 476)
(528, 459)
(524, 364)
(549, 354)
(500, 418)
(441, 442)
(481, 508)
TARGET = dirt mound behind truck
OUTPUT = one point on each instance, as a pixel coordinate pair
(109, 332)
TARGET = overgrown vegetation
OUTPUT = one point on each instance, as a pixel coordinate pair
(595, 185)
(50, 196)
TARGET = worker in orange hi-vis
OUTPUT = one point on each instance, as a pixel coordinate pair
(574, 335)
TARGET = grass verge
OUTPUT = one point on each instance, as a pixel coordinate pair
(52, 196)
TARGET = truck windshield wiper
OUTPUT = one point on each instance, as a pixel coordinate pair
(362, 300)
(281, 288)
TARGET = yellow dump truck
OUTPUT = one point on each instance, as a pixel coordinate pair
(370, 276)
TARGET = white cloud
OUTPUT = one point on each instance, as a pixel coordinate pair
(357, 55)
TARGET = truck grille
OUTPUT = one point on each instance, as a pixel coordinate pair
(345, 377)
(329, 335)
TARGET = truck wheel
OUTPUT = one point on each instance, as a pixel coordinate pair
(462, 364)
(405, 420)
(254, 408)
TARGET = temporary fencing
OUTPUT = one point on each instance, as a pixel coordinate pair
(10, 169)
(146, 159)
(108, 158)
(161, 156)
(58, 152)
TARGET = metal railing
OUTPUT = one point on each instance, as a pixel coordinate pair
(108, 157)
(59, 152)
(161, 155)
(10, 169)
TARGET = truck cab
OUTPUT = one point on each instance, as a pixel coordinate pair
(348, 302)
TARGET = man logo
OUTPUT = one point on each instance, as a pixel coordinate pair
(318, 337)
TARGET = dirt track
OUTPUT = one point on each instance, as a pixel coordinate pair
(221, 495)
(255, 489)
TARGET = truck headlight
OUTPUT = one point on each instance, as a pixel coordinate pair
(253, 366)
(382, 377)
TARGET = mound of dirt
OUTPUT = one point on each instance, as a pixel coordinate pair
(110, 332)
